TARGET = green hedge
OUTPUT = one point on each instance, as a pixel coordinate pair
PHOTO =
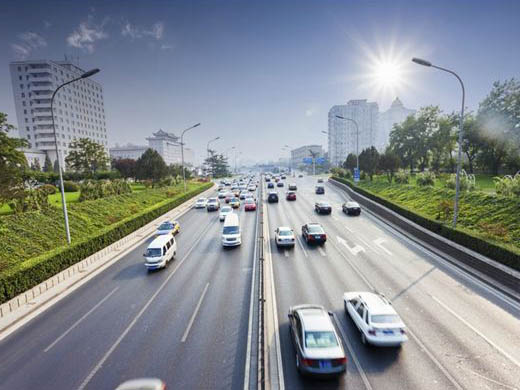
(38, 269)
(464, 238)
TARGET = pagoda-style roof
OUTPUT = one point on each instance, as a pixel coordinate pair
(161, 134)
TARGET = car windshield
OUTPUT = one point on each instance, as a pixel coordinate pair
(385, 319)
(315, 229)
(324, 339)
(285, 233)
(250, 201)
(153, 252)
(166, 226)
(323, 204)
(231, 230)
(225, 209)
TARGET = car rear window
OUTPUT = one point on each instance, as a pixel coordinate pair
(225, 209)
(315, 229)
(230, 230)
(325, 339)
(285, 233)
(385, 319)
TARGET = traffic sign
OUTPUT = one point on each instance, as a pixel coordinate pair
(356, 175)
(320, 160)
(307, 160)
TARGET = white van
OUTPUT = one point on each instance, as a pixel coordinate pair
(160, 252)
(231, 235)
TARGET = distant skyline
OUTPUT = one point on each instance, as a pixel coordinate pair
(262, 74)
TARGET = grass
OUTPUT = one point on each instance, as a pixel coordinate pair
(70, 197)
(27, 235)
(484, 214)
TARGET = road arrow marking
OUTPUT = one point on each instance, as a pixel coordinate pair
(379, 242)
(354, 250)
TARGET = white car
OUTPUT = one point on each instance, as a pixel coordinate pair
(284, 236)
(142, 384)
(251, 188)
(201, 203)
(225, 210)
(376, 319)
(243, 195)
(222, 194)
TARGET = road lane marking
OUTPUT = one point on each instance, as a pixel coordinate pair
(362, 373)
(479, 333)
(379, 242)
(141, 312)
(286, 252)
(301, 246)
(251, 300)
(192, 319)
(322, 252)
(81, 319)
(354, 250)
(349, 229)
(335, 218)
(492, 380)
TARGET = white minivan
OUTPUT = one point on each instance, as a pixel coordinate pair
(231, 233)
(160, 251)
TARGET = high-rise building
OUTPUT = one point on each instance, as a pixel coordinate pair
(342, 135)
(79, 110)
(166, 144)
(396, 114)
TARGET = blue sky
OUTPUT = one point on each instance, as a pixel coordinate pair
(262, 74)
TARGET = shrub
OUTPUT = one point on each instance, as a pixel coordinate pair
(466, 182)
(70, 186)
(508, 185)
(49, 189)
(91, 190)
(425, 179)
(363, 175)
(32, 200)
(402, 177)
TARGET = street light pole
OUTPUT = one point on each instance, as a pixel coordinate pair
(63, 202)
(461, 133)
(357, 138)
(182, 153)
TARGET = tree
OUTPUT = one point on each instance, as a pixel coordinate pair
(389, 162)
(125, 166)
(35, 166)
(87, 156)
(402, 141)
(351, 162)
(47, 166)
(427, 125)
(150, 166)
(494, 152)
(175, 170)
(12, 163)
(56, 167)
(442, 143)
(472, 141)
(217, 165)
(369, 161)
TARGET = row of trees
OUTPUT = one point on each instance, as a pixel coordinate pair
(216, 165)
(491, 137)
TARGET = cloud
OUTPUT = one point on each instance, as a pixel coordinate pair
(156, 31)
(28, 41)
(166, 46)
(86, 35)
(47, 24)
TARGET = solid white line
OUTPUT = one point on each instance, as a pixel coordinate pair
(322, 252)
(251, 301)
(192, 319)
(492, 380)
(81, 319)
(301, 245)
(275, 309)
(362, 373)
(379, 243)
(479, 333)
(136, 318)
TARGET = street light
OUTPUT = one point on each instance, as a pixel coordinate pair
(357, 138)
(461, 132)
(63, 203)
(182, 153)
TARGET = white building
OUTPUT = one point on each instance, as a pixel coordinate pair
(396, 114)
(342, 133)
(166, 144)
(78, 108)
(298, 154)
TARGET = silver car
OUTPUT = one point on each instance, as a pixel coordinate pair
(318, 347)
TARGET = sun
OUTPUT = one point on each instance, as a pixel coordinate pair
(387, 74)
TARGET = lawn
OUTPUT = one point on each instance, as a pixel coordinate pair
(70, 197)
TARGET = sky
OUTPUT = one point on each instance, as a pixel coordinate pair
(262, 74)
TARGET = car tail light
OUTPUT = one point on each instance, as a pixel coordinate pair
(340, 361)
(311, 238)
(306, 362)
(323, 236)
(372, 332)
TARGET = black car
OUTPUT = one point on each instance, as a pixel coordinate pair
(320, 180)
(313, 233)
(322, 208)
(320, 190)
(270, 185)
(267, 179)
(292, 187)
(279, 184)
(351, 208)
(272, 197)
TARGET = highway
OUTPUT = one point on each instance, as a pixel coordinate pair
(186, 324)
(462, 334)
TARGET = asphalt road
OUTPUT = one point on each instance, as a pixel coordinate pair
(462, 334)
(186, 324)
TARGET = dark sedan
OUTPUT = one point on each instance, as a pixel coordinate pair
(313, 233)
(272, 197)
(320, 190)
(351, 208)
(322, 208)
(270, 185)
